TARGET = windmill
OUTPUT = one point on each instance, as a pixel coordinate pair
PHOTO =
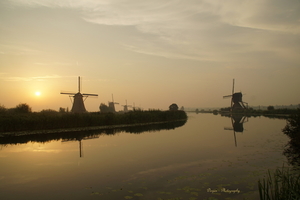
(134, 107)
(236, 100)
(126, 107)
(78, 105)
(111, 104)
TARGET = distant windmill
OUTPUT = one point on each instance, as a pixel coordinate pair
(126, 107)
(111, 104)
(78, 105)
(135, 108)
(236, 100)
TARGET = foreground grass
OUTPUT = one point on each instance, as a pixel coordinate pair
(283, 184)
(44, 121)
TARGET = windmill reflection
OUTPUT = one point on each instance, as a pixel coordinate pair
(237, 122)
(80, 138)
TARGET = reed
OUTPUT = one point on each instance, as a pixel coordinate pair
(282, 184)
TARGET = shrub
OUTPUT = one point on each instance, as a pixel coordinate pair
(2, 109)
(292, 128)
(22, 108)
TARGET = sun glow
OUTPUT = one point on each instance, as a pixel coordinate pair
(37, 93)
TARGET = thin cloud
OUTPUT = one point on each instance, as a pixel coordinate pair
(272, 15)
(55, 63)
(195, 29)
(260, 14)
(36, 78)
(97, 80)
(12, 49)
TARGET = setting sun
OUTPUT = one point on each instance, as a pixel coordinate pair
(37, 93)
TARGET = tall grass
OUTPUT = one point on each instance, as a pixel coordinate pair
(282, 184)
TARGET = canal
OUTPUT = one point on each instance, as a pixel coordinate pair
(207, 157)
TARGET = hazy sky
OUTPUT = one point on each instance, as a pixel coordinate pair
(152, 53)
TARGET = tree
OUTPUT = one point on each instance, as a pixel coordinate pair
(292, 128)
(2, 109)
(173, 107)
(270, 108)
(22, 108)
(48, 111)
(62, 110)
(104, 108)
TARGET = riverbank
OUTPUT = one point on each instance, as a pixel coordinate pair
(282, 113)
(85, 132)
(19, 124)
(87, 129)
(277, 116)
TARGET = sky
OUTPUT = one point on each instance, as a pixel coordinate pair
(150, 53)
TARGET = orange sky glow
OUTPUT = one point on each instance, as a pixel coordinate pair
(150, 53)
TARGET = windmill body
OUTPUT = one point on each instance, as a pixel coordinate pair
(78, 101)
(236, 100)
(78, 105)
(126, 107)
(111, 105)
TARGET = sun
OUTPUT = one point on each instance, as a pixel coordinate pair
(37, 93)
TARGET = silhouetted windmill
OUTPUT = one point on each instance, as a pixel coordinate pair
(78, 105)
(134, 107)
(236, 100)
(126, 107)
(111, 104)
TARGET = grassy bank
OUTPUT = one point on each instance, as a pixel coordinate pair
(12, 122)
(49, 135)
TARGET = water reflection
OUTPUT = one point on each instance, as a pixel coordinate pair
(86, 135)
(237, 122)
(79, 139)
(171, 164)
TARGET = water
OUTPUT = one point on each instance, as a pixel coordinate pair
(201, 159)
